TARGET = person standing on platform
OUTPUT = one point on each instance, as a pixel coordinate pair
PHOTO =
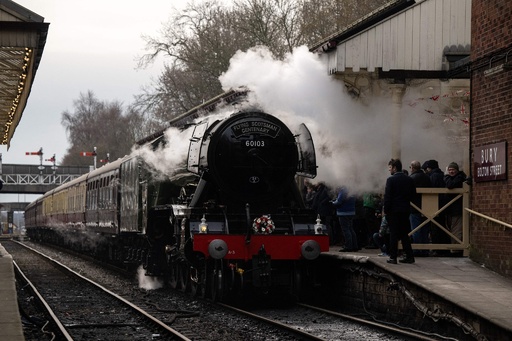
(399, 193)
(421, 180)
(437, 235)
(371, 207)
(431, 168)
(345, 205)
(321, 204)
(454, 179)
(381, 238)
(309, 193)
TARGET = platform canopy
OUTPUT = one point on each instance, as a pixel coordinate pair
(403, 39)
(22, 39)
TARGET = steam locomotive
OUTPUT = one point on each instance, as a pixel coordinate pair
(231, 218)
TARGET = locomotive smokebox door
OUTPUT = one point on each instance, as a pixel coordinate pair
(252, 155)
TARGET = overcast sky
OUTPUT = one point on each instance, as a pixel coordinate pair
(91, 45)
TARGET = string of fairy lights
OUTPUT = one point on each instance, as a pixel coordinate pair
(17, 99)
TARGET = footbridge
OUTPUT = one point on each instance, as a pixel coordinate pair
(37, 179)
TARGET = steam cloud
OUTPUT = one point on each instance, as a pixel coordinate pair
(148, 282)
(352, 140)
(167, 160)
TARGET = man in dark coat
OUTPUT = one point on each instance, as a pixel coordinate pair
(399, 192)
(431, 167)
(437, 235)
(421, 180)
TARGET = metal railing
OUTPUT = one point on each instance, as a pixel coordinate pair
(37, 179)
(489, 218)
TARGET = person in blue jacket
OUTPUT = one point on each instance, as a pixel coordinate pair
(345, 205)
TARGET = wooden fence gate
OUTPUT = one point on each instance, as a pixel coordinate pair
(430, 209)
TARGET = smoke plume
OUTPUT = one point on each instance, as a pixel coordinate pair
(352, 140)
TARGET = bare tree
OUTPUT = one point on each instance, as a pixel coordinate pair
(321, 18)
(199, 41)
(274, 24)
(99, 124)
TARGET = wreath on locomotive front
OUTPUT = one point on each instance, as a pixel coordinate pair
(263, 225)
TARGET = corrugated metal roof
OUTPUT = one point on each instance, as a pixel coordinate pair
(368, 20)
(418, 37)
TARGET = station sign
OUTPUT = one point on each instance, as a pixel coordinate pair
(490, 162)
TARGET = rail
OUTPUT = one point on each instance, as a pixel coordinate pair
(489, 218)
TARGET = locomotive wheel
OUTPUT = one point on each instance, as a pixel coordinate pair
(184, 276)
(208, 277)
(194, 282)
(201, 292)
(217, 282)
(297, 279)
(198, 285)
(173, 275)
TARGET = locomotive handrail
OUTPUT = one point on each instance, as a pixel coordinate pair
(489, 218)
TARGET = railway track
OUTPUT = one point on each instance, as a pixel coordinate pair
(197, 319)
(314, 323)
(79, 308)
(294, 322)
(385, 327)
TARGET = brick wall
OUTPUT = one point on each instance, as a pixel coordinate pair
(491, 122)
(491, 26)
(366, 291)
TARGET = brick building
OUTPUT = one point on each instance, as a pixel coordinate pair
(491, 131)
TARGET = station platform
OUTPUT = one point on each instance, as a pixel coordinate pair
(459, 280)
(10, 320)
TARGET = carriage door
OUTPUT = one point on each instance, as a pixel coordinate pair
(144, 205)
(129, 197)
